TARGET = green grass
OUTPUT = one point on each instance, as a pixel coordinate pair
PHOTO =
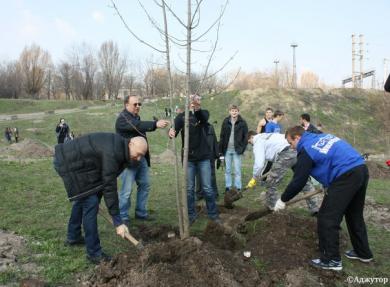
(33, 200)
(10, 106)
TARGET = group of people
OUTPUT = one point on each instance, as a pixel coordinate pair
(90, 165)
(11, 132)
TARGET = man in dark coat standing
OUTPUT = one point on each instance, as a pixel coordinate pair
(129, 125)
(232, 144)
(89, 166)
(199, 156)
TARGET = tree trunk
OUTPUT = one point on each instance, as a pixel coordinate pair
(186, 124)
(180, 201)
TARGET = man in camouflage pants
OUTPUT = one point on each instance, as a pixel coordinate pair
(275, 148)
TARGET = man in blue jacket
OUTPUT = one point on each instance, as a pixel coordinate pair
(274, 125)
(342, 170)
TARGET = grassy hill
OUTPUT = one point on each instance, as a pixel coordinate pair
(33, 201)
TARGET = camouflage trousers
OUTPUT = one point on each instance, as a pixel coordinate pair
(285, 160)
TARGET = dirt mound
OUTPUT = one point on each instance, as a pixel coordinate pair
(378, 170)
(26, 149)
(280, 247)
(10, 246)
(178, 263)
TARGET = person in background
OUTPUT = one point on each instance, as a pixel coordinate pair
(387, 85)
(213, 144)
(8, 135)
(232, 144)
(274, 125)
(319, 127)
(269, 113)
(304, 120)
(16, 134)
(342, 170)
(62, 131)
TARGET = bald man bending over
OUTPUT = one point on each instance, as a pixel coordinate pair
(89, 166)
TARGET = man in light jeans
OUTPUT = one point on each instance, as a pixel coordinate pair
(129, 125)
(232, 144)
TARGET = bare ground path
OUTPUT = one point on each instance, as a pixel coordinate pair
(40, 115)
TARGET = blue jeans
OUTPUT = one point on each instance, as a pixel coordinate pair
(84, 211)
(204, 169)
(140, 175)
(232, 157)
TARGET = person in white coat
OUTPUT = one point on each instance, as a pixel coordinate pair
(274, 147)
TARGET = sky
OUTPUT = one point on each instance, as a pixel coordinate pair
(259, 31)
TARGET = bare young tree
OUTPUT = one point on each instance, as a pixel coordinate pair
(34, 62)
(113, 68)
(192, 22)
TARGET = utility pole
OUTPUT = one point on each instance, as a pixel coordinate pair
(294, 79)
(276, 62)
(353, 61)
(361, 57)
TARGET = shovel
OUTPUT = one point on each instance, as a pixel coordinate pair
(265, 210)
(128, 236)
(235, 195)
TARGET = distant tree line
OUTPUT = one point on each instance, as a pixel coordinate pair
(86, 75)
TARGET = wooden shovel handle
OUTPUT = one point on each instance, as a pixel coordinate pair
(128, 236)
(131, 239)
(305, 196)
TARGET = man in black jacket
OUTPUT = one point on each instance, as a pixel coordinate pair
(199, 155)
(129, 125)
(309, 127)
(232, 144)
(89, 166)
(387, 85)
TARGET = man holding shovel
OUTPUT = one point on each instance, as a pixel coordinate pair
(342, 170)
(89, 166)
(274, 147)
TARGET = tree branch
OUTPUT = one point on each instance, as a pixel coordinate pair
(210, 58)
(131, 31)
(173, 13)
(215, 22)
(196, 13)
(158, 28)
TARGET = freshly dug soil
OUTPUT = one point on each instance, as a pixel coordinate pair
(26, 150)
(378, 170)
(280, 245)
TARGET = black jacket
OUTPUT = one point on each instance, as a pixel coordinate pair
(198, 147)
(129, 126)
(312, 129)
(212, 141)
(91, 164)
(63, 131)
(387, 85)
(240, 135)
